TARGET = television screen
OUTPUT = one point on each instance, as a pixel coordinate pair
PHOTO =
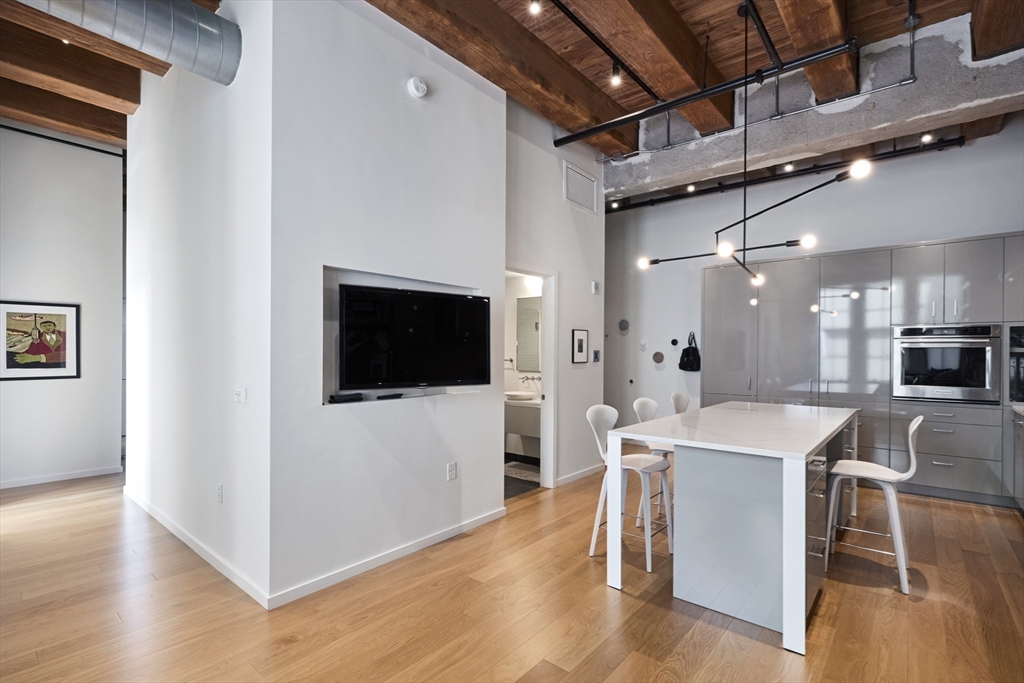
(403, 338)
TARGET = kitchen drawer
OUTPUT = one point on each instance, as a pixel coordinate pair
(948, 472)
(960, 440)
(946, 412)
(873, 432)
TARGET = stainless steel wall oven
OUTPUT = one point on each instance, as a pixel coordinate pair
(947, 363)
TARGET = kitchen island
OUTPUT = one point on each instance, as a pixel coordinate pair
(749, 505)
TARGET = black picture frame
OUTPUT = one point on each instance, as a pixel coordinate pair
(580, 346)
(70, 368)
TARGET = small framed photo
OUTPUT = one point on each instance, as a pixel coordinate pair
(41, 341)
(580, 346)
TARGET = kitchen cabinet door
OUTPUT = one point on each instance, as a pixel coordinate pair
(1013, 279)
(729, 348)
(973, 289)
(917, 285)
(855, 337)
(787, 330)
(1018, 459)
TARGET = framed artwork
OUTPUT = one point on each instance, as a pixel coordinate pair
(42, 341)
(580, 345)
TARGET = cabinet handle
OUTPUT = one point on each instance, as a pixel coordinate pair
(748, 384)
(859, 424)
(816, 466)
(848, 449)
(943, 431)
(933, 311)
(810, 386)
(817, 551)
(826, 385)
(954, 308)
(1018, 422)
(944, 464)
(817, 494)
(943, 414)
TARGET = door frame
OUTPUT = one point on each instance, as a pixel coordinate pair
(549, 376)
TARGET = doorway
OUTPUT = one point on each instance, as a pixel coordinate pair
(529, 380)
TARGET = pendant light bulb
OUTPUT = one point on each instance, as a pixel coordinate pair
(757, 280)
(753, 302)
(808, 241)
(854, 295)
(643, 263)
(725, 249)
(534, 7)
(616, 75)
(860, 169)
(815, 308)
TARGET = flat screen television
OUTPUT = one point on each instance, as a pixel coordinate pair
(404, 338)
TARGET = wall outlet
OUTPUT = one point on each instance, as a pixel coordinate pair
(453, 471)
(241, 394)
(220, 493)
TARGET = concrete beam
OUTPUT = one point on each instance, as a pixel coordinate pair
(950, 89)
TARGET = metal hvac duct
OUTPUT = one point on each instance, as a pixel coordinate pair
(175, 31)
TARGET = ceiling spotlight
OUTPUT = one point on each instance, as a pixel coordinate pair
(616, 75)
(926, 138)
(860, 168)
(788, 168)
(725, 249)
(691, 188)
(753, 302)
(615, 205)
(757, 280)
(534, 6)
(65, 41)
(643, 263)
(815, 308)
(854, 295)
(808, 241)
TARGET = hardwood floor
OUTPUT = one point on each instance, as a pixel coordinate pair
(93, 589)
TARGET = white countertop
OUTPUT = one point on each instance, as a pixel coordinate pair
(776, 431)
(1018, 408)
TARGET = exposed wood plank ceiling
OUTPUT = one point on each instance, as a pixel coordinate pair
(86, 87)
(815, 25)
(996, 27)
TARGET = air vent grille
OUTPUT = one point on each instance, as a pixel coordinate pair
(580, 188)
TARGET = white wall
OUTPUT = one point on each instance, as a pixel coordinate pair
(975, 190)
(368, 178)
(60, 242)
(198, 297)
(553, 236)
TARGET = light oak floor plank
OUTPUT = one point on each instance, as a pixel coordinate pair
(93, 589)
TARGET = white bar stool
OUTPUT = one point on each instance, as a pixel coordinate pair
(680, 402)
(885, 478)
(602, 419)
(646, 409)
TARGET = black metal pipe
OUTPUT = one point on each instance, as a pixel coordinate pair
(787, 243)
(748, 7)
(810, 170)
(604, 48)
(839, 178)
(719, 89)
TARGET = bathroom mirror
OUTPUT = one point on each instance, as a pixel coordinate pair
(528, 334)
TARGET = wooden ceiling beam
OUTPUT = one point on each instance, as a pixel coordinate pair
(815, 25)
(24, 103)
(487, 39)
(23, 15)
(855, 153)
(997, 26)
(653, 40)
(981, 128)
(44, 62)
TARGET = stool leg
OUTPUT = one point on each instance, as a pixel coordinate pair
(639, 510)
(668, 509)
(830, 523)
(645, 487)
(897, 534)
(625, 478)
(600, 510)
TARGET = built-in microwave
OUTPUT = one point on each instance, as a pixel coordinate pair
(946, 363)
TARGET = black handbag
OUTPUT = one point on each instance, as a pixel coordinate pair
(690, 358)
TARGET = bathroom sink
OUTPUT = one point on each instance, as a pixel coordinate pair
(520, 395)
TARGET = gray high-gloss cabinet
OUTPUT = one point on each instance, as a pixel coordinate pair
(973, 290)
(855, 344)
(1013, 278)
(1018, 459)
(787, 330)
(729, 350)
(917, 285)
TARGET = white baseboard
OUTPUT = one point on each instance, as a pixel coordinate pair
(81, 474)
(562, 481)
(215, 560)
(313, 586)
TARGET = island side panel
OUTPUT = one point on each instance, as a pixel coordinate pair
(614, 506)
(794, 549)
(729, 533)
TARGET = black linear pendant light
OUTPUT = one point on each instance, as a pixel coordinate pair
(723, 247)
